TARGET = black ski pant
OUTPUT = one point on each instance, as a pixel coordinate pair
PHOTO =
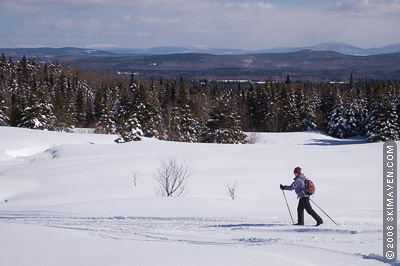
(304, 203)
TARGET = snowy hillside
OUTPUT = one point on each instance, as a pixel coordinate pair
(73, 199)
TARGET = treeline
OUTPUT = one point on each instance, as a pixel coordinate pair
(53, 97)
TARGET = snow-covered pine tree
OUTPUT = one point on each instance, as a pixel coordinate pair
(3, 69)
(350, 115)
(61, 97)
(123, 108)
(127, 125)
(35, 108)
(15, 110)
(147, 111)
(201, 105)
(139, 102)
(306, 107)
(274, 119)
(223, 125)
(337, 124)
(79, 105)
(242, 102)
(38, 112)
(182, 125)
(3, 110)
(258, 102)
(129, 130)
(342, 121)
(106, 122)
(290, 111)
(329, 97)
(361, 111)
(383, 122)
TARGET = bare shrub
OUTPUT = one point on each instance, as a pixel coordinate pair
(232, 191)
(172, 176)
(253, 137)
(135, 178)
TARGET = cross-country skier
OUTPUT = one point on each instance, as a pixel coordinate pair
(304, 200)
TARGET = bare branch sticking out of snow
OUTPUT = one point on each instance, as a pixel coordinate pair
(172, 176)
(232, 191)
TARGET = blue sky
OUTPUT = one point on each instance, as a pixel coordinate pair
(217, 23)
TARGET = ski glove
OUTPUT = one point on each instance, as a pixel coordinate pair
(282, 186)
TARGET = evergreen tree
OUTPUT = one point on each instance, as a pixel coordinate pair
(383, 122)
(328, 100)
(223, 125)
(337, 124)
(350, 116)
(38, 113)
(258, 107)
(183, 126)
(15, 111)
(129, 130)
(81, 92)
(274, 118)
(201, 106)
(147, 111)
(3, 110)
(3, 69)
(288, 81)
(306, 108)
(361, 112)
(290, 111)
(106, 123)
(342, 119)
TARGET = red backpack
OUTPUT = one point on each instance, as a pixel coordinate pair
(309, 187)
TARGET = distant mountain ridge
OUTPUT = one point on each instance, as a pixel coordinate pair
(44, 52)
(302, 65)
(342, 48)
(338, 47)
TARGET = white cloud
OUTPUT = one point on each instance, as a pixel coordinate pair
(100, 46)
(24, 6)
(18, 7)
(368, 7)
(92, 25)
(85, 26)
(35, 23)
(65, 24)
(224, 23)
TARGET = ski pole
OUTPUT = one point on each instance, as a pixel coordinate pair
(324, 212)
(291, 217)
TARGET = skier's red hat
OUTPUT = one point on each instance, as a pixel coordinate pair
(297, 170)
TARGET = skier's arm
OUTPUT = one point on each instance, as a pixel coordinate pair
(291, 187)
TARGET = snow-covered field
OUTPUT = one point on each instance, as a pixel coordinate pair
(72, 200)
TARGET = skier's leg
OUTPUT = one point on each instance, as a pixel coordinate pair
(300, 212)
(310, 210)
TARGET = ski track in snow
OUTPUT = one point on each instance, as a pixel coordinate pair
(275, 233)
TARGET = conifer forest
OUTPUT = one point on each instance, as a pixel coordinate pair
(55, 97)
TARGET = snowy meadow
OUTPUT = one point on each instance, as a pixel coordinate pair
(82, 199)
